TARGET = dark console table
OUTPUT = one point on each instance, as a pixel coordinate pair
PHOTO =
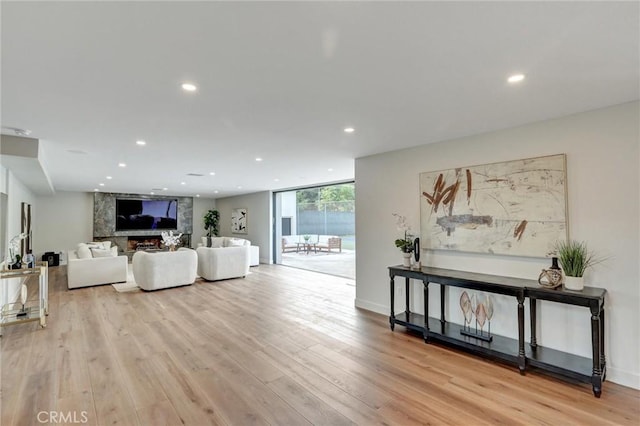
(504, 348)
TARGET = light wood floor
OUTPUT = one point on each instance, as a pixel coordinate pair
(281, 347)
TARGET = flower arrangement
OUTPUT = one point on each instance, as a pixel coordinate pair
(13, 255)
(170, 240)
(404, 244)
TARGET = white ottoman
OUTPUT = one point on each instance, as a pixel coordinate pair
(153, 271)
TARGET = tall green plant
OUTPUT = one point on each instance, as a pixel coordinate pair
(212, 223)
(575, 258)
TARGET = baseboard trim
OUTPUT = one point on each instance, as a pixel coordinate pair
(370, 306)
(623, 378)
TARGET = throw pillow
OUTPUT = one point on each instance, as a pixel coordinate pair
(236, 242)
(101, 252)
(84, 252)
(217, 242)
(204, 242)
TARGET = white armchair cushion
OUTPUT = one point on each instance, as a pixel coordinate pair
(236, 242)
(84, 252)
(96, 252)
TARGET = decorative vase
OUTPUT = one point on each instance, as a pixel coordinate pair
(406, 259)
(172, 247)
(574, 283)
(416, 253)
(552, 277)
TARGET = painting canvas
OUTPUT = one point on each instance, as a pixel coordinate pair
(239, 221)
(512, 208)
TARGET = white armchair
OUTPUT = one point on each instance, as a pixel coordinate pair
(154, 271)
(92, 271)
(223, 262)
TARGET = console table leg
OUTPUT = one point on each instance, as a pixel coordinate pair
(406, 295)
(596, 378)
(533, 313)
(426, 311)
(603, 360)
(392, 316)
(521, 358)
(442, 319)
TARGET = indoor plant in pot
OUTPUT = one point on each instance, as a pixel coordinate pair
(574, 259)
(404, 244)
(212, 223)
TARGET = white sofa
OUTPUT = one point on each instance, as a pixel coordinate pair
(83, 270)
(227, 258)
(164, 269)
(254, 251)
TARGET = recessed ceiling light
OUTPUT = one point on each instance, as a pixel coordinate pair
(165, 189)
(212, 173)
(96, 189)
(515, 78)
(122, 165)
(152, 193)
(329, 170)
(216, 191)
(141, 143)
(239, 186)
(189, 87)
(276, 180)
(349, 130)
(183, 183)
(258, 159)
(197, 195)
(109, 177)
(101, 184)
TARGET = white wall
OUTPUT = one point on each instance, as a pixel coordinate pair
(200, 207)
(63, 220)
(602, 149)
(259, 215)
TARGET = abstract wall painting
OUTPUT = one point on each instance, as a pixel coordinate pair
(511, 208)
(239, 221)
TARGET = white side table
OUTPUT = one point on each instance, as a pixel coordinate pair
(254, 256)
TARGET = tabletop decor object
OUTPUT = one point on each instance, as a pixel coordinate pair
(170, 240)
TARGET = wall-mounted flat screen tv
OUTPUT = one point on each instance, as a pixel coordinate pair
(134, 214)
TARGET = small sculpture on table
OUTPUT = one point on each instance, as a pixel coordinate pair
(483, 311)
(552, 277)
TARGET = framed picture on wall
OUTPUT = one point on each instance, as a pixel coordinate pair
(514, 207)
(25, 228)
(239, 221)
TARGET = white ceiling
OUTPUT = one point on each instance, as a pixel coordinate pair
(280, 80)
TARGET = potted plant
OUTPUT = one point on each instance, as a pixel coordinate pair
(574, 259)
(404, 244)
(212, 223)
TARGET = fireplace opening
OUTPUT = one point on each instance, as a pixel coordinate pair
(144, 243)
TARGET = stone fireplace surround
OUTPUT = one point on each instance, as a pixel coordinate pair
(104, 223)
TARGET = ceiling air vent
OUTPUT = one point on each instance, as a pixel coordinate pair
(195, 174)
